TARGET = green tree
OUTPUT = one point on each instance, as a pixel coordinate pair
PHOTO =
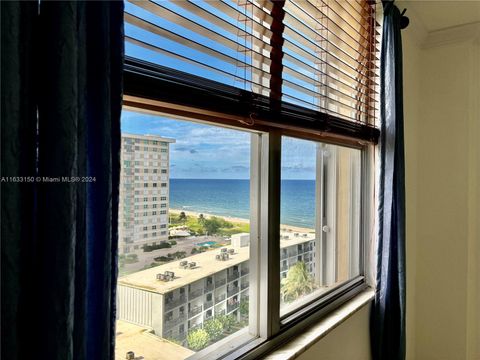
(198, 339)
(201, 219)
(297, 283)
(212, 225)
(214, 328)
(182, 217)
(243, 307)
(228, 322)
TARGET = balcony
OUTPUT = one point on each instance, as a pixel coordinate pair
(220, 312)
(220, 282)
(232, 307)
(232, 276)
(195, 327)
(174, 302)
(245, 272)
(195, 311)
(232, 291)
(292, 252)
(244, 285)
(207, 304)
(169, 323)
(208, 288)
(220, 298)
(195, 293)
(284, 268)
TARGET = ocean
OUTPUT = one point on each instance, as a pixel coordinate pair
(232, 198)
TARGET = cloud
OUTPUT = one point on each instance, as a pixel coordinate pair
(299, 167)
(236, 169)
(184, 149)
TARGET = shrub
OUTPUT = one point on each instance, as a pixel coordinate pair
(227, 321)
(214, 328)
(243, 308)
(198, 339)
(173, 242)
(131, 258)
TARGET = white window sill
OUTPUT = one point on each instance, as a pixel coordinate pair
(301, 343)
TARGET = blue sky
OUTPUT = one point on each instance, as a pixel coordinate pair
(201, 151)
(211, 152)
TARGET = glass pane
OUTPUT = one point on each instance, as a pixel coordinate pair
(320, 217)
(183, 236)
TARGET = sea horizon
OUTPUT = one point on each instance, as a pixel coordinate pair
(231, 197)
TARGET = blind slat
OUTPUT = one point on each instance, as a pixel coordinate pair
(317, 54)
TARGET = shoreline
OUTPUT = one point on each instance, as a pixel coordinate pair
(240, 220)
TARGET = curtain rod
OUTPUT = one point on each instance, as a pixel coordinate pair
(404, 20)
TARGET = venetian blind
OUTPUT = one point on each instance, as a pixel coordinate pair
(318, 55)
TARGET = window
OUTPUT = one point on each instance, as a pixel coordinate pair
(198, 243)
(306, 108)
(321, 250)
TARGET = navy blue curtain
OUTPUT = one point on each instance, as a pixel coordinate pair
(62, 75)
(388, 313)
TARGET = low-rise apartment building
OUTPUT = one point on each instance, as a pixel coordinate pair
(175, 298)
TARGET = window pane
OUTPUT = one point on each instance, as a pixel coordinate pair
(320, 217)
(185, 287)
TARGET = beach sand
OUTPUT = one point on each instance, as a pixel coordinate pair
(284, 228)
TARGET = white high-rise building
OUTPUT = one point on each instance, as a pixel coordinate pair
(144, 191)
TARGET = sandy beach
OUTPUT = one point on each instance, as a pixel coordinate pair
(285, 228)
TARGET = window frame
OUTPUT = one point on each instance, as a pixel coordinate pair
(157, 89)
(266, 323)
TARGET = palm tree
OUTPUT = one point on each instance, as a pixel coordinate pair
(182, 217)
(201, 219)
(297, 283)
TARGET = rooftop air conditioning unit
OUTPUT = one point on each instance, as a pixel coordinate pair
(192, 264)
(224, 250)
(218, 257)
(161, 277)
(231, 251)
(183, 264)
(130, 355)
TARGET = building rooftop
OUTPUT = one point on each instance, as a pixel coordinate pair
(206, 265)
(145, 345)
(148, 136)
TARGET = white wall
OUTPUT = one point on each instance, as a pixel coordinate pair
(412, 96)
(349, 341)
(445, 309)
